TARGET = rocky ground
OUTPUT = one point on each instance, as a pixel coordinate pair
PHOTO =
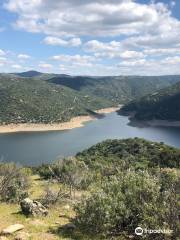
(56, 225)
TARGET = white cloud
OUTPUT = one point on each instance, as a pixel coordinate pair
(75, 42)
(3, 60)
(132, 54)
(84, 60)
(55, 41)
(145, 38)
(45, 65)
(23, 56)
(166, 40)
(112, 49)
(16, 66)
(62, 67)
(97, 46)
(132, 63)
(2, 53)
(172, 60)
(91, 17)
(162, 51)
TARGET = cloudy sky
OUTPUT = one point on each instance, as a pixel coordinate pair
(90, 37)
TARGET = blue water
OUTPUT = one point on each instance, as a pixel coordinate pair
(34, 148)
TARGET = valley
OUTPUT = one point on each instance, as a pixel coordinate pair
(89, 120)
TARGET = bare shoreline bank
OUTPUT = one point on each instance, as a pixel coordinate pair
(73, 123)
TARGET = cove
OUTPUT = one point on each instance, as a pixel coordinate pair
(35, 148)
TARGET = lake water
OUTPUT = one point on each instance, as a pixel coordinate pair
(34, 148)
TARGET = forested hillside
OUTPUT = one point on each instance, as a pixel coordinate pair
(34, 97)
(161, 105)
(30, 100)
(136, 152)
(121, 89)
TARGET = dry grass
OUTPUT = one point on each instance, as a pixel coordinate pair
(41, 227)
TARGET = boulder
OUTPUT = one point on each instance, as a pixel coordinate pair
(69, 226)
(34, 208)
(12, 229)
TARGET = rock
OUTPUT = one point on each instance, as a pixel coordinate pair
(22, 236)
(12, 229)
(34, 208)
(69, 226)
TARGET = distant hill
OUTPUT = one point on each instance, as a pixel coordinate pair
(121, 89)
(161, 105)
(28, 74)
(44, 98)
(28, 100)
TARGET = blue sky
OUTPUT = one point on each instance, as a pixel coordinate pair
(92, 37)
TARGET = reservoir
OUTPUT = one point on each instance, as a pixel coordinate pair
(34, 148)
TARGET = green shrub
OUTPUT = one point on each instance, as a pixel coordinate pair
(14, 183)
(127, 201)
(44, 171)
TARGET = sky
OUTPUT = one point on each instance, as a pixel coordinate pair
(90, 37)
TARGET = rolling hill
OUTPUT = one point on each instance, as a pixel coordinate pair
(160, 105)
(31, 73)
(34, 97)
(135, 152)
(28, 100)
(121, 89)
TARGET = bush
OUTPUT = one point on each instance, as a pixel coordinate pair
(125, 202)
(44, 171)
(70, 172)
(14, 183)
(51, 196)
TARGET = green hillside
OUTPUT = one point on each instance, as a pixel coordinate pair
(30, 100)
(125, 183)
(44, 98)
(138, 153)
(162, 105)
(121, 89)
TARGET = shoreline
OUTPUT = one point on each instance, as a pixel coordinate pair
(75, 122)
(163, 123)
(149, 123)
(153, 123)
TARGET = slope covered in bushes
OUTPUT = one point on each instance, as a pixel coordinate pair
(161, 105)
(28, 100)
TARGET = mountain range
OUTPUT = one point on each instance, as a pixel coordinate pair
(34, 97)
